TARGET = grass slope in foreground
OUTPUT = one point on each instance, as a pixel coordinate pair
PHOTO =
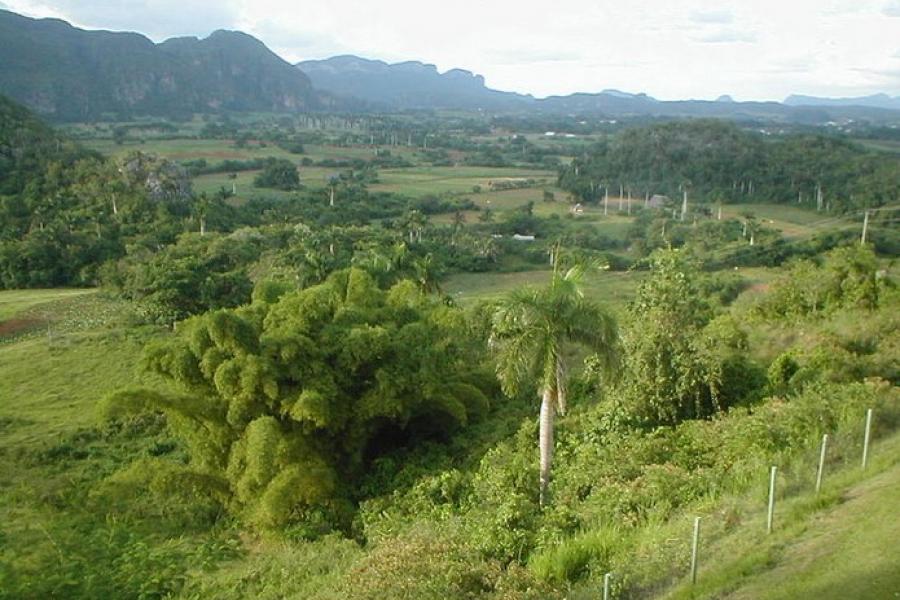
(843, 543)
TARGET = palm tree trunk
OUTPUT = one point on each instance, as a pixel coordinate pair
(546, 441)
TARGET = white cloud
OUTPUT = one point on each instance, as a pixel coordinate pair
(721, 17)
(728, 36)
(892, 8)
(157, 19)
(694, 48)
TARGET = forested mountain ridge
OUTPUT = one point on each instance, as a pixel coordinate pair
(406, 85)
(72, 74)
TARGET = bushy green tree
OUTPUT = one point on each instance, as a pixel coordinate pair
(282, 403)
(848, 277)
(280, 174)
(674, 363)
(196, 274)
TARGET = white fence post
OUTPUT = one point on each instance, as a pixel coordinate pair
(694, 546)
(772, 474)
(865, 457)
(821, 463)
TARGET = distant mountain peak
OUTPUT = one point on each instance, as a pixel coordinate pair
(75, 74)
(619, 93)
(880, 100)
(405, 85)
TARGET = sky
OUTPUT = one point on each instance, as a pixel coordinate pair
(670, 49)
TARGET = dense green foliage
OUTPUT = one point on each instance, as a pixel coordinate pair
(719, 162)
(287, 400)
(279, 174)
(27, 148)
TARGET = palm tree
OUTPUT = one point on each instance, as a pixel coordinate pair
(426, 274)
(532, 330)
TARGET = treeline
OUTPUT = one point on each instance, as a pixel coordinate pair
(716, 161)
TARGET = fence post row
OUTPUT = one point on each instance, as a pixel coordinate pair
(773, 474)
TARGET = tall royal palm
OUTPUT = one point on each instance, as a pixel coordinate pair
(532, 331)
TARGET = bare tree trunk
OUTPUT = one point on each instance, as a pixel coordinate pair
(546, 442)
(561, 404)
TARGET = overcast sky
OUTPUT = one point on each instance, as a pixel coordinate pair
(670, 49)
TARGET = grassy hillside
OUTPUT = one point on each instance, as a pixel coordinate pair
(841, 544)
(78, 519)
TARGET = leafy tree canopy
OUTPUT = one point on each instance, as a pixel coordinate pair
(280, 174)
(283, 403)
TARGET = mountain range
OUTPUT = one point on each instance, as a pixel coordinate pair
(70, 74)
(407, 85)
(875, 101)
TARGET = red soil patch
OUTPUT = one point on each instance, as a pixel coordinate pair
(14, 326)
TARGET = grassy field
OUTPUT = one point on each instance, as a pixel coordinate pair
(15, 302)
(191, 149)
(612, 289)
(419, 181)
(793, 221)
(49, 383)
(310, 177)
